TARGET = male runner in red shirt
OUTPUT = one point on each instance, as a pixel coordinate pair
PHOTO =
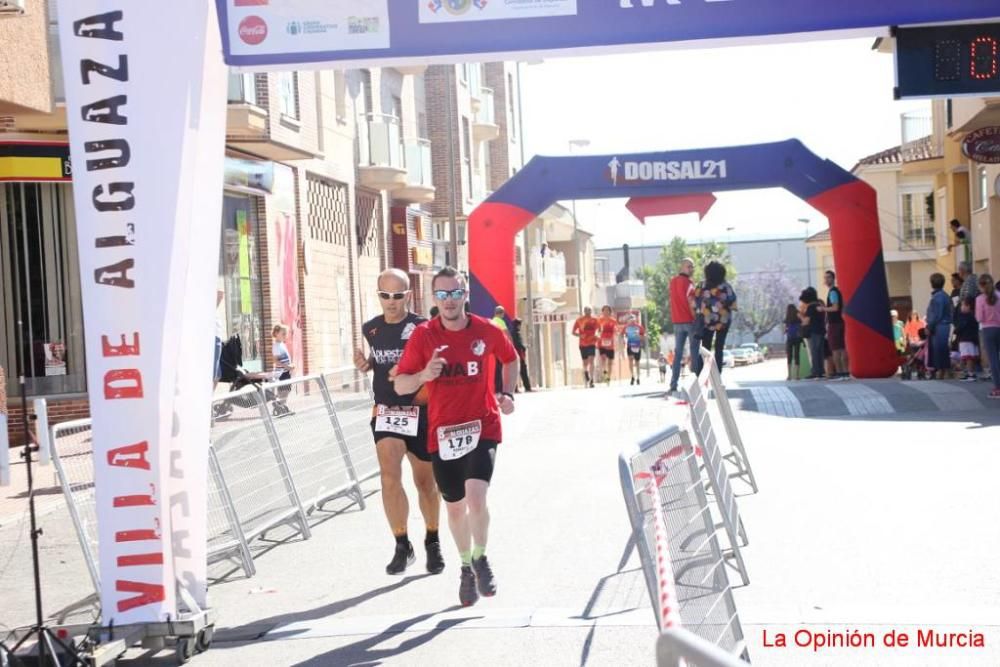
(607, 331)
(451, 356)
(585, 328)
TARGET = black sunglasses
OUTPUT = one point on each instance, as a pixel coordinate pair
(454, 295)
(395, 296)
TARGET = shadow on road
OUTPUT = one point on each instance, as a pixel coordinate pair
(363, 653)
(265, 626)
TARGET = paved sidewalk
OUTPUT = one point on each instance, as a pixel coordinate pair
(859, 524)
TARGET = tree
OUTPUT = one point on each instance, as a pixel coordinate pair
(657, 278)
(762, 300)
(653, 329)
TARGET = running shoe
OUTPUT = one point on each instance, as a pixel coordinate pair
(435, 562)
(484, 577)
(402, 559)
(637, 380)
(467, 594)
(632, 383)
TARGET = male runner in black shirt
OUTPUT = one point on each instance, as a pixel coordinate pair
(399, 423)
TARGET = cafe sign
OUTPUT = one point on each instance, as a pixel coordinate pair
(983, 145)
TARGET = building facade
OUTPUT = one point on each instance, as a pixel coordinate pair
(331, 177)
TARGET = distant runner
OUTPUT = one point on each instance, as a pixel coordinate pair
(607, 330)
(451, 356)
(585, 328)
(399, 425)
(634, 335)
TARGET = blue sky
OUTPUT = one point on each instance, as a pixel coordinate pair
(835, 96)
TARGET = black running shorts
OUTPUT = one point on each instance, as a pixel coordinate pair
(608, 353)
(416, 445)
(588, 351)
(452, 475)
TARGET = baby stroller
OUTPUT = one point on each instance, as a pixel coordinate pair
(915, 364)
(231, 362)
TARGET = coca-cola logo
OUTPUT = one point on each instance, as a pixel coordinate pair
(253, 30)
(983, 145)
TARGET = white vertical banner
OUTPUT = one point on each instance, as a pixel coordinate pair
(203, 173)
(134, 75)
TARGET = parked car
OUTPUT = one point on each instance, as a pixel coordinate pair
(728, 360)
(741, 356)
(755, 354)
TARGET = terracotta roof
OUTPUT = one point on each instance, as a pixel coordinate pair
(820, 236)
(892, 155)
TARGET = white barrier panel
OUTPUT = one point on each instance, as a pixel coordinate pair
(718, 476)
(738, 455)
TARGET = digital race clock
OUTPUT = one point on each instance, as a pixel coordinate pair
(948, 60)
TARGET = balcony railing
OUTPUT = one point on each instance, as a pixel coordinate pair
(242, 89)
(418, 163)
(920, 141)
(380, 141)
(916, 233)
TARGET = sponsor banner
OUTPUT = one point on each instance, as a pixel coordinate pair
(283, 252)
(367, 33)
(438, 11)
(983, 145)
(137, 207)
(35, 161)
(303, 26)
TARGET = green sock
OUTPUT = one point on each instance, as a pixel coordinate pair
(478, 552)
(466, 557)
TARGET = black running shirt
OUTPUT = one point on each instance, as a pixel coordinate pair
(387, 342)
(834, 296)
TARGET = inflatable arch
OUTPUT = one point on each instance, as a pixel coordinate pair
(848, 203)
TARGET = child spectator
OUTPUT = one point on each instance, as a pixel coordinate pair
(967, 336)
(793, 340)
(283, 363)
(662, 362)
(988, 316)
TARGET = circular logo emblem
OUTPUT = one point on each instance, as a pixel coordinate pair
(457, 6)
(253, 30)
(478, 347)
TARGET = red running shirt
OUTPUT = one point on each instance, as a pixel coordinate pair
(586, 327)
(680, 308)
(464, 391)
(607, 327)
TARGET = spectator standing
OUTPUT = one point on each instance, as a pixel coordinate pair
(793, 340)
(988, 316)
(715, 302)
(969, 288)
(967, 337)
(682, 315)
(522, 349)
(956, 289)
(813, 329)
(662, 363)
(834, 310)
(500, 323)
(939, 319)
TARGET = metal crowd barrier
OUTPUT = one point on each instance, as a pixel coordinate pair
(701, 600)
(718, 475)
(277, 452)
(72, 456)
(738, 455)
(677, 647)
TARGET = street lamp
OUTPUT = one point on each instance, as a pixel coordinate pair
(808, 267)
(578, 143)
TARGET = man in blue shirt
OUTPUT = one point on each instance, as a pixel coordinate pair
(634, 335)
